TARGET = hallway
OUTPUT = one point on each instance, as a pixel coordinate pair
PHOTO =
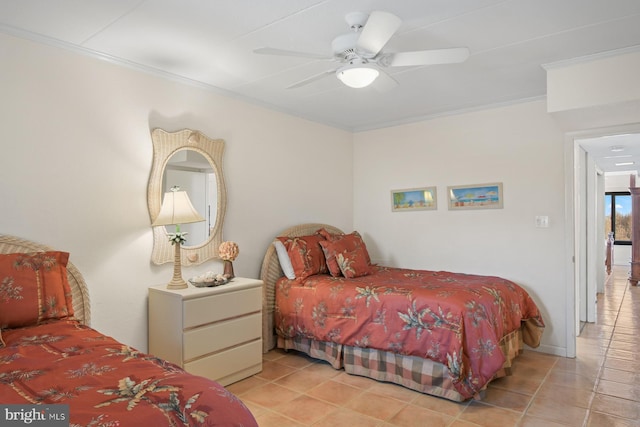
(601, 387)
(611, 349)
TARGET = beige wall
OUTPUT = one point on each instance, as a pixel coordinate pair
(76, 157)
(614, 79)
(518, 145)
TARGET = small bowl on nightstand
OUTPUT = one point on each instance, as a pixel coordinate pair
(209, 280)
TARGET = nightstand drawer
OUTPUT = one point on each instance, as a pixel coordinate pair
(213, 308)
(246, 359)
(218, 336)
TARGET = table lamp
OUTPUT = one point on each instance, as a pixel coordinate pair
(177, 209)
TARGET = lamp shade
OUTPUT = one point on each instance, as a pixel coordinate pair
(177, 209)
(357, 75)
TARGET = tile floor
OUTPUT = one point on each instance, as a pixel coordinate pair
(601, 387)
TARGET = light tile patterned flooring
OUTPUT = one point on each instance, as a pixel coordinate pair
(601, 387)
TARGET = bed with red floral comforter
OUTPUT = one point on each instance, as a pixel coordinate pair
(50, 356)
(106, 383)
(454, 319)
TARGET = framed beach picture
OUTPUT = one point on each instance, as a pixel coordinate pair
(414, 199)
(480, 196)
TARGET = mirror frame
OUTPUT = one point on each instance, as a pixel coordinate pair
(165, 144)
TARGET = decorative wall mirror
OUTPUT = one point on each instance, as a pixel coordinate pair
(192, 161)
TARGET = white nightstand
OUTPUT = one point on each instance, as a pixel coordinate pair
(212, 332)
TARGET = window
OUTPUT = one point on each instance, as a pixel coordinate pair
(617, 210)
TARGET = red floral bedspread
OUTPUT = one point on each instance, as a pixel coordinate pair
(106, 383)
(455, 319)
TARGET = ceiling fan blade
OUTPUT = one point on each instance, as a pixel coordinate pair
(384, 82)
(283, 52)
(429, 57)
(380, 27)
(311, 79)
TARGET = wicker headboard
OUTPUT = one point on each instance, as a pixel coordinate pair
(271, 272)
(79, 291)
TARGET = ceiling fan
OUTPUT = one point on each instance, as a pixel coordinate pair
(360, 52)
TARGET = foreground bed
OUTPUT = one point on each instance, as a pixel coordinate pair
(440, 333)
(51, 356)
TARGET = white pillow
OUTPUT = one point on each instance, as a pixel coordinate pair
(285, 261)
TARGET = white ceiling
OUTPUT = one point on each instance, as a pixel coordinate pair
(612, 153)
(211, 43)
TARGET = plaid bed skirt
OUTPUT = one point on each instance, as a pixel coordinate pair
(423, 375)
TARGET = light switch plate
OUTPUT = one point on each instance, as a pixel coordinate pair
(542, 221)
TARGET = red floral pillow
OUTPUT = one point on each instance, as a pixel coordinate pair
(341, 244)
(34, 288)
(354, 263)
(307, 257)
(327, 234)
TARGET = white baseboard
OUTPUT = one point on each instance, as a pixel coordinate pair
(549, 349)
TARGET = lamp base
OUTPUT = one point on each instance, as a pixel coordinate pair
(177, 284)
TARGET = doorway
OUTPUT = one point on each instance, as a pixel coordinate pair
(588, 159)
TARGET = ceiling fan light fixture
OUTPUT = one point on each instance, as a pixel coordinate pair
(357, 75)
(361, 55)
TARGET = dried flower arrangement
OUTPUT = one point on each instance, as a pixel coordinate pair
(228, 251)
